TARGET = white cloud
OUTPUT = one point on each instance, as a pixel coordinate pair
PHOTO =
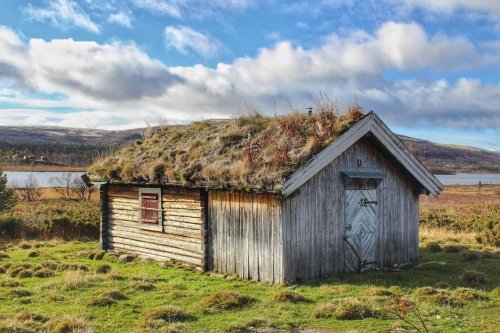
(185, 39)
(62, 14)
(118, 85)
(121, 18)
(479, 8)
(159, 7)
(194, 8)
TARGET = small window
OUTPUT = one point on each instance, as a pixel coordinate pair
(150, 209)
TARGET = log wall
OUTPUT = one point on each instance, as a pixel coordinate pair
(245, 235)
(183, 236)
(313, 216)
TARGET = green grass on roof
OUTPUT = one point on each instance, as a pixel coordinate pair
(246, 152)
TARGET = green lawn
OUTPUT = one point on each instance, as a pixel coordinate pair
(128, 297)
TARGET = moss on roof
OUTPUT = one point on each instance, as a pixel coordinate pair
(248, 152)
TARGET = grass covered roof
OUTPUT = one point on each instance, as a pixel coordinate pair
(247, 152)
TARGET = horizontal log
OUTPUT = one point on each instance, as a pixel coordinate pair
(184, 219)
(191, 226)
(166, 241)
(180, 212)
(154, 253)
(182, 232)
(181, 205)
(134, 227)
(152, 246)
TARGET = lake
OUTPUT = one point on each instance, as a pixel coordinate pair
(19, 177)
(43, 178)
(470, 179)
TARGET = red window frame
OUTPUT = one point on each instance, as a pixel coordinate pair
(150, 210)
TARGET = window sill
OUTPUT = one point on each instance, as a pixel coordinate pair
(152, 227)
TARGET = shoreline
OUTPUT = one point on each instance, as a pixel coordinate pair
(42, 168)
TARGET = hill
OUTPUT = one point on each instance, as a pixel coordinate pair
(77, 147)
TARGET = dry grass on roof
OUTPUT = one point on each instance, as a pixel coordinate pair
(247, 152)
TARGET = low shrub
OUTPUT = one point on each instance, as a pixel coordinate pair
(378, 292)
(31, 316)
(424, 292)
(469, 256)
(289, 296)
(165, 315)
(14, 270)
(26, 273)
(353, 309)
(72, 267)
(44, 273)
(433, 247)
(19, 292)
(326, 310)
(70, 324)
(99, 255)
(451, 249)
(496, 291)
(228, 301)
(33, 254)
(103, 269)
(442, 285)
(24, 245)
(107, 298)
(473, 278)
(467, 295)
(3, 255)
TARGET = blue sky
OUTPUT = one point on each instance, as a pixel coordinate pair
(430, 69)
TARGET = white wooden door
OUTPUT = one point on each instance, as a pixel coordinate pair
(360, 230)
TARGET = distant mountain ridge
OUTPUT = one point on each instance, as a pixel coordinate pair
(79, 146)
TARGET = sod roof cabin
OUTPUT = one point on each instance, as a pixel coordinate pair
(271, 199)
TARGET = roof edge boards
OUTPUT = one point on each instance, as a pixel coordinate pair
(370, 124)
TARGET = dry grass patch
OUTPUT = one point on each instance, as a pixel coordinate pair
(44, 273)
(19, 292)
(24, 245)
(103, 269)
(164, 317)
(473, 278)
(433, 247)
(326, 310)
(70, 324)
(228, 301)
(77, 279)
(289, 296)
(354, 309)
(107, 298)
(3, 255)
(378, 292)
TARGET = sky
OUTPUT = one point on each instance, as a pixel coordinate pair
(430, 69)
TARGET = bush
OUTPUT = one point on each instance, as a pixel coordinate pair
(473, 278)
(352, 309)
(228, 301)
(378, 292)
(451, 249)
(107, 298)
(289, 296)
(51, 218)
(433, 247)
(469, 256)
(33, 254)
(467, 295)
(103, 269)
(70, 324)
(44, 273)
(165, 314)
(324, 310)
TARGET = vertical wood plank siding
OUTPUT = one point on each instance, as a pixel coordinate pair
(313, 217)
(183, 236)
(246, 235)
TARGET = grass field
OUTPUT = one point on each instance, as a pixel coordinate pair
(56, 286)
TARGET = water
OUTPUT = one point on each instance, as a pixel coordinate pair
(18, 178)
(43, 178)
(470, 179)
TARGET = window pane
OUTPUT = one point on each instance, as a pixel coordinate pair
(149, 216)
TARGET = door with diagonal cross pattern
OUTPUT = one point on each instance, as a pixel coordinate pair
(360, 230)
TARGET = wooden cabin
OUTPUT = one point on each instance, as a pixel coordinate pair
(350, 207)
